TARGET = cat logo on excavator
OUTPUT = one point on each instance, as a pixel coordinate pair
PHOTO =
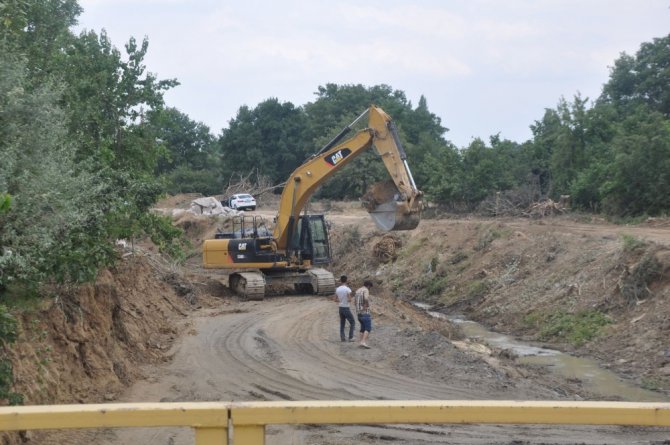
(338, 156)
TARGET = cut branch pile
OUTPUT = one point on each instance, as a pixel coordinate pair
(386, 249)
(253, 183)
(547, 207)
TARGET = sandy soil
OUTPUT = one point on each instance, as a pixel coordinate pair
(288, 348)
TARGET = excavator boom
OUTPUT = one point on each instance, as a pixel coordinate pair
(394, 205)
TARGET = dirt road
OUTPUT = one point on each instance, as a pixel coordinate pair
(288, 348)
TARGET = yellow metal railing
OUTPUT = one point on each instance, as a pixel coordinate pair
(211, 420)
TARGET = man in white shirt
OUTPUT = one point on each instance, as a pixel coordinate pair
(343, 298)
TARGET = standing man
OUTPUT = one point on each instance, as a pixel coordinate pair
(343, 298)
(363, 310)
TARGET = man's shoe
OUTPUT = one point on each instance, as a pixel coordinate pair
(365, 345)
(352, 339)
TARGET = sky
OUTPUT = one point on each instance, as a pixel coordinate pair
(485, 67)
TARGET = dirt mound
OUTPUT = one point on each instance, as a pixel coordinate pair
(198, 228)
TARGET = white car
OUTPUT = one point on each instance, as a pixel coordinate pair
(241, 201)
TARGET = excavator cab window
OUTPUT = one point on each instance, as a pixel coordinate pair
(311, 238)
(320, 244)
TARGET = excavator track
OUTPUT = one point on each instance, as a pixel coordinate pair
(248, 285)
(325, 281)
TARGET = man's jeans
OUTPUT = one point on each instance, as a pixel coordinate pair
(345, 314)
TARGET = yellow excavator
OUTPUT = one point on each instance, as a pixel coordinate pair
(295, 251)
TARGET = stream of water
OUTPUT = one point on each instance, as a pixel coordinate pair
(594, 378)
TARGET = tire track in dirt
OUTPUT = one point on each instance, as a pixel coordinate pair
(306, 365)
(315, 342)
(238, 348)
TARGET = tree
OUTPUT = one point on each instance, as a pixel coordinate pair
(442, 175)
(56, 211)
(273, 138)
(484, 172)
(185, 142)
(334, 103)
(78, 152)
(643, 78)
(108, 98)
(39, 30)
(189, 161)
(638, 179)
(568, 144)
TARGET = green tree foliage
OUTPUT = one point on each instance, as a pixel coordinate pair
(79, 153)
(440, 173)
(485, 170)
(643, 78)
(39, 30)
(185, 142)
(612, 156)
(5, 202)
(13, 17)
(336, 104)
(273, 138)
(559, 146)
(189, 161)
(108, 97)
(55, 202)
(638, 178)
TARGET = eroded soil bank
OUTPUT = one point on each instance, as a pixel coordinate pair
(590, 289)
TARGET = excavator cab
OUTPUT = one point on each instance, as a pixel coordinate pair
(310, 239)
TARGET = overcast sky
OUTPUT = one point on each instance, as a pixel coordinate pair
(484, 66)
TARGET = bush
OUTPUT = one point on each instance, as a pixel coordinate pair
(576, 328)
(631, 243)
(436, 285)
(186, 180)
(477, 288)
(634, 285)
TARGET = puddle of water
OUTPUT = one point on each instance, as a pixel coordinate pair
(594, 378)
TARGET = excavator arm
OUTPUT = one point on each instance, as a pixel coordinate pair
(394, 207)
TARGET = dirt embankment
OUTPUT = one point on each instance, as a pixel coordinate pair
(591, 289)
(86, 345)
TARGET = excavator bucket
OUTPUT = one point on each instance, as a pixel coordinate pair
(389, 210)
(395, 215)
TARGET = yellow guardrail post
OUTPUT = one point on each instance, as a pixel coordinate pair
(211, 436)
(249, 434)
